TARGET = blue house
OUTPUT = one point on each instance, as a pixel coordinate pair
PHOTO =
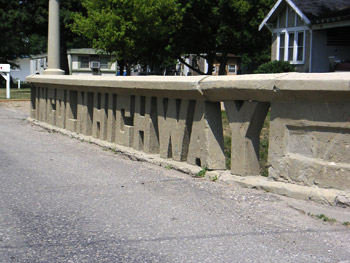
(313, 35)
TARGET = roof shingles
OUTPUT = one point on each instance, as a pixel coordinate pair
(322, 9)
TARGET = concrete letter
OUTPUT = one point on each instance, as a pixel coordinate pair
(246, 119)
(71, 110)
(99, 127)
(112, 107)
(146, 125)
(124, 130)
(207, 142)
(33, 102)
(85, 112)
(60, 108)
(51, 106)
(174, 121)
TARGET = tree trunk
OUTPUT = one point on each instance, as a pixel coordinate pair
(210, 60)
(223, 63)
(121, 64)
(191, 67)
(63, 54)
(128, 69)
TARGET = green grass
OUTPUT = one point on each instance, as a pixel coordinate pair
(202, 172)
(18, 94)
(213, 178)
(168, 167)
(263, 147)
(346, 223)
(324, 218)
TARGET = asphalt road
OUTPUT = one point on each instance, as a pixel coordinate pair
(62, 200)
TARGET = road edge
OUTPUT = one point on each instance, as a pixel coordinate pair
(331, 197)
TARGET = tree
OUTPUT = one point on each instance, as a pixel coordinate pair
(24, 29)
(136, 31)
(12, 38)
(223, 26)
(37, 19)
(157, 32)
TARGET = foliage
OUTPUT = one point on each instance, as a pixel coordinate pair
(136, 31)
(156, 33)
(213, 178)
(202, 172)
(12, 37)
(275, 67)
(24, 27)
(323, 217)
(223, 26)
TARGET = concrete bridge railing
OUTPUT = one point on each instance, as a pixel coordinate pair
(180, 118)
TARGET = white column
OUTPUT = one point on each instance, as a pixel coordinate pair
(8, 86)
(53, 50)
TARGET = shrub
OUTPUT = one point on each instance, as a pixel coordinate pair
(275, 67)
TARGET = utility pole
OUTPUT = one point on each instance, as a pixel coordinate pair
(53, 49)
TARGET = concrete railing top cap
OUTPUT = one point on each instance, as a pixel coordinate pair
(326, 87)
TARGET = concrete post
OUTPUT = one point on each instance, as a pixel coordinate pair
(53, 52)
(8, 85)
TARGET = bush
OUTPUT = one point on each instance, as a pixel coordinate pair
(275, 67)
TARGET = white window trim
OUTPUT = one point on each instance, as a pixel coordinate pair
(292, 5)
(235, 67)
(296, 28)
(286, 44)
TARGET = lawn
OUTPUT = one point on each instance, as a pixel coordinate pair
(18, 94)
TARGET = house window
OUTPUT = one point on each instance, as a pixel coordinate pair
(104, 61)
(232, 69)
(300, 46)
(282, 38)
(84, 61)
(291, 46)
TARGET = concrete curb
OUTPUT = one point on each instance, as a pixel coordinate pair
(331, 197)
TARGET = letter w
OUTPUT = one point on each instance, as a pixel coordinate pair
(174, 122)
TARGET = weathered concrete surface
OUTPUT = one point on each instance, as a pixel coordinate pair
(310, 144)
(187, 88)
(324, 196)
(62, 200)
(334, 87)
(306, 87)
(206, 148)
(175, 123)
(246, 119)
